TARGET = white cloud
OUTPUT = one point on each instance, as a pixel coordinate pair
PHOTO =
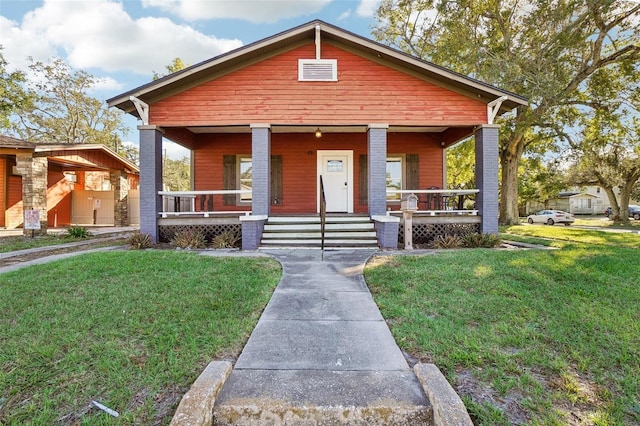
(100, 34)
(108, 84)
(345, 15)
(247, 10)
(367, 8)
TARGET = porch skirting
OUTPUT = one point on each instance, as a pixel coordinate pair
(209, 227)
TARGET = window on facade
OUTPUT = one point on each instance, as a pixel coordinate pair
(394, 177)
(245, 177)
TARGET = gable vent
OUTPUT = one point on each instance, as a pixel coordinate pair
(317, 70)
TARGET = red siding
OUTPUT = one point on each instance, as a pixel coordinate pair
(299, 163)
(366, 92)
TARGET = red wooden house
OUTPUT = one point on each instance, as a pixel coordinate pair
(266, 121)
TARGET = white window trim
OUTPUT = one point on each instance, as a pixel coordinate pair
(403, 166)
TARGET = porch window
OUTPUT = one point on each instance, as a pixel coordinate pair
(245, 177)
(395, 176)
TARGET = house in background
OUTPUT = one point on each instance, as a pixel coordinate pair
(586, 200)
(311, 117)
(70, 184)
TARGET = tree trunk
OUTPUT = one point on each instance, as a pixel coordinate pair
(509, 214)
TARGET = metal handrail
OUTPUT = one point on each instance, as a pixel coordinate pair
(323, 213)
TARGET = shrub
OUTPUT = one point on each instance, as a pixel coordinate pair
(78, 232)
(189, 239)
(226, 239)
(481, 240)
(446, 242)
(139, 241)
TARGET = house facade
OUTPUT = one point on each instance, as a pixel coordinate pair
(272, 123)
(71, 184)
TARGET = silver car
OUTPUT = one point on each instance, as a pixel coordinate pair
(551, 217)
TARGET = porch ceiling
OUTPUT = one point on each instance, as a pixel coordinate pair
(311, 129)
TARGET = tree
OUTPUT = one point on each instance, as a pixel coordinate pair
(544, 50)
(61, 111)
(13, 96)
(175, 66)
(175, 174)
(460, 165)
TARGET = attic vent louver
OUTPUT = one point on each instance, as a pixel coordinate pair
(317, 70)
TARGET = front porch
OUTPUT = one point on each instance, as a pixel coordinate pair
(441, 212)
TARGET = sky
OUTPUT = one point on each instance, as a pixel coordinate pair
(123, 42)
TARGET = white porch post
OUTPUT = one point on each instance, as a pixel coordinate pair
(377, 168)
(261, 168)
(150, 179)
(486, 150)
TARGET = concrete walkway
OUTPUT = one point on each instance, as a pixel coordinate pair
(321, 344)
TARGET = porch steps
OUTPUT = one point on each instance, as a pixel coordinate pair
(304, 231)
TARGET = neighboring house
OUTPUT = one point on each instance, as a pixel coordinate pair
(70, 184)
(275, 115)
(588, 200)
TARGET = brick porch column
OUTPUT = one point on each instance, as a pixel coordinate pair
(150, 179)
(486, 138)
(34, 187)
(120, 186)
(377, 168)
(261, 164)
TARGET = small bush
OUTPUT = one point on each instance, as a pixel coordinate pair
(226, 239)
(446, 242)
(189, 239)
(78, 232)
(139, 241)
(480, 240)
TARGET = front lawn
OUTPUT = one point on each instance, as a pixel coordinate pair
(129, 329)
(526, 336)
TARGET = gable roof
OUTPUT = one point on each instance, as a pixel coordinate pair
(303, 34)
(50, 149)
(9, 142)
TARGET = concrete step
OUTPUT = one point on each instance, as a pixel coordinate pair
(317, 243)
(327, 235)
(304, 231)
(277, 227)
(316, 219)
(313, 397)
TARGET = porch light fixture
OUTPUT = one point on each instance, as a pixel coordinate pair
(318, 133)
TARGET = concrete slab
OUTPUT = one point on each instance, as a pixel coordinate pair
(321, 345)
(322, 305)
(326, 388)
(315, 268)
(324, 282)
(312, 398)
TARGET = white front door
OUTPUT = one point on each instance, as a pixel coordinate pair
(336, 169)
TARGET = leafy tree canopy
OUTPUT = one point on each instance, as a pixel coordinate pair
(545, 50)
(60, 110)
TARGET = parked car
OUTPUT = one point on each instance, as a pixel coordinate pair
(551, 216)
(634, 211)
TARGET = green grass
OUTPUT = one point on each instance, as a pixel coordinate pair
(565, 233)
(533, 336)
(22, 242)
(130, 329)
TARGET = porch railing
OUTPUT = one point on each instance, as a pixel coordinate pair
(440, 201)
(197, 203)
(323, 213)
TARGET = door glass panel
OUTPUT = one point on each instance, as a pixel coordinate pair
(334, 166)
